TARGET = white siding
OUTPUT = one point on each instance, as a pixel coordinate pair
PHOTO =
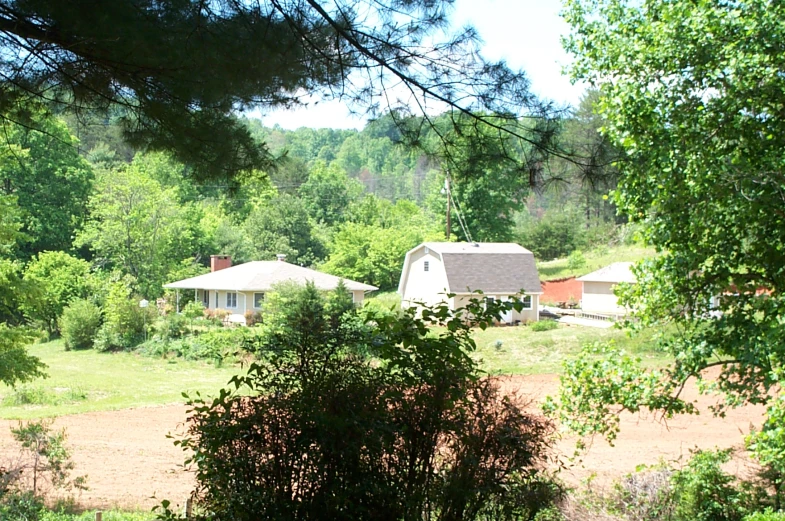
(598, 297)
(428, 287)
(525, 315)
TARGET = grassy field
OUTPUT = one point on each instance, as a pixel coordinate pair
(520, 350)
(82, 381)
(595, 259)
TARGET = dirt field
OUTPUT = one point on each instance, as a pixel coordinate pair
(562, 290)
(130, 463)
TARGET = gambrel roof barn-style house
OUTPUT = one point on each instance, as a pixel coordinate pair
(500, 270)
(241, 288)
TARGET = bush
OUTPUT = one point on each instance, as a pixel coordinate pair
(544, 325)
(576, 260)
(171, 326)
(79, 324)
(417, 436)
(124, 321)
(704, 492)
(768, 515)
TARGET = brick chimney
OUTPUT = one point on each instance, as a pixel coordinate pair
(220, 262)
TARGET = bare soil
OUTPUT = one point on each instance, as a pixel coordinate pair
(130, 462)
(563, 290)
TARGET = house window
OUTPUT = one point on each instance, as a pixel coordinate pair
(258, 298)
(489, 301)
(231, 300)
(216, 300)
(527, 301)
(425, 266)
(206, 298)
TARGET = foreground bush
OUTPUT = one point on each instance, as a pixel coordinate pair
(317, 431)
(79, 324)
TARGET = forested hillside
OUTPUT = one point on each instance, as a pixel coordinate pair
(83, 211)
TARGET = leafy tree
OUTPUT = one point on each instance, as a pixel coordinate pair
(371, 254)
(49, 180)
(327, 434)
(692, 92)
(327, 193)
(143, 56)
(10, 224)
(282, 226)
(140, 227)
(16, 365)
(55, 278)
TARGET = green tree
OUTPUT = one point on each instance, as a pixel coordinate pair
(55, 279)
(692, 93)
(143, 57)
(140, 227)
(328, 193)
(50, 182)
(16, 365)
(282, 226)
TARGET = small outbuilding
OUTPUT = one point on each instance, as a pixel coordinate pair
(598, 289)
(501, 271)
(241, 288)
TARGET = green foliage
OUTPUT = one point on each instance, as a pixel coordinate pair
(328, 193)
(21, 506)
(603, 381)
(704, 492)
(140, 227)
(50, 181)
(124, 321)
(576, 260)
(16, 365)
(79, 324)
(553, 236)
(54, 279)
(544, 325)
(281, 225)
(711, 206)
(46, 459)
(414, 437)
(768, 515)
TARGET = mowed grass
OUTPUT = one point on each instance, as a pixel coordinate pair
(520, 350)
(83, 381)
(595, 259)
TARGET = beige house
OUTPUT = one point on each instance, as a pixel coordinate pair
(598, 289)
(500, 270)
(241, 288)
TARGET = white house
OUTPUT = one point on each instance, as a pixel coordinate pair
(598, 288)
(241, 288)
(500, 270)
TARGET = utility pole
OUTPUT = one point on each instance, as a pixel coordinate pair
(447, 191)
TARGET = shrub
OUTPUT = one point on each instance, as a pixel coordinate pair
(704, 492)
(417, 436)
(544, 325)
(768, 515)
(124, 321)
(79, 324)
(576, 260)
(252, 317)
(171, 326)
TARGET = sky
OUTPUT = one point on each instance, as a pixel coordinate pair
(524, 33)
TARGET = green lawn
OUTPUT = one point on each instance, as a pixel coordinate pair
(595, 259)
(519, 350)
(81, 381)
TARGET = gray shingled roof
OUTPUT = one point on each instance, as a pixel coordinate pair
(262, 275)
(492, 267)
